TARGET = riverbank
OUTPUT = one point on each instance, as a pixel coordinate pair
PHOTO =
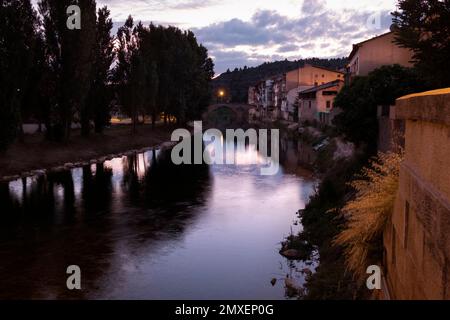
(36, 153)
(335, 161)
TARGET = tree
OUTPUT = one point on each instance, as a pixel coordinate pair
(100, 95)
(424, 27)
(18, 37)
(359, 100)
(71, 55)
(126, 64)
(162, 70)
(152, 92)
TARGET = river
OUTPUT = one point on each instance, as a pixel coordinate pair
(140, 228)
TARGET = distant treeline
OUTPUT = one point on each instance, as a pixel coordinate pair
(237, 82)
(57, 76)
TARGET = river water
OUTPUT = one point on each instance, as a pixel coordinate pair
(140, 228)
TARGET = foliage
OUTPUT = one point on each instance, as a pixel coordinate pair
(321, 224)
(367, 214)
(70, 55)
(359, 100)
(162, 69)
(55, 76)
(18, 40)
(423, 26)
(100, 94)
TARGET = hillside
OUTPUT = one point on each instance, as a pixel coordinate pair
(236, 82)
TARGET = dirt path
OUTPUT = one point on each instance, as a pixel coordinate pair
(35, 153)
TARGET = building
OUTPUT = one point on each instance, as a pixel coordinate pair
(417, 236)
(288, 110)
(252, 96)
(371, 54)
(275, 97)
(265, 99)
(317, 103)
(278, 97)
(311, 76)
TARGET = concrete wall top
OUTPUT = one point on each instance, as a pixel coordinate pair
(429, 106)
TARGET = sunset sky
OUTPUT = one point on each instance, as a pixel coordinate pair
(249, 32)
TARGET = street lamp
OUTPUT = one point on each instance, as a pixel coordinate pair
(221, 95)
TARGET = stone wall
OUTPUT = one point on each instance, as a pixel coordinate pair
(417, 237)
(391, 131)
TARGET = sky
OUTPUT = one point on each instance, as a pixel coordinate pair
(250, 32)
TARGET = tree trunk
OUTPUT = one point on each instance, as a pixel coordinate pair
(153, 120)
(134, 120)
(85, 123)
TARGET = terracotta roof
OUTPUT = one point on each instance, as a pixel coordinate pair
(358, 45)
(314, 66)
(327, 69)
(323, 86)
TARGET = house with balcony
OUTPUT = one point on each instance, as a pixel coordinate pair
(317, 104)
(304, 78)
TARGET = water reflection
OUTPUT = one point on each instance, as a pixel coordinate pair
(140, 227)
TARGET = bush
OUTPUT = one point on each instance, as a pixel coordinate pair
(367, 214)
(359, 100)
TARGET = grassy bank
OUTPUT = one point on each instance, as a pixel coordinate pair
(34, 152)
(322, 222)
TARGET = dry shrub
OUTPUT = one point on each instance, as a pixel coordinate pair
(366, 215)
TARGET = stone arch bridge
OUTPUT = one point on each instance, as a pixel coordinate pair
(227, 116)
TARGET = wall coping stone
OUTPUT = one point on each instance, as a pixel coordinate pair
(429, 106)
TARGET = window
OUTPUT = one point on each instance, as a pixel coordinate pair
(328, 104)
(323, 76)
(310, 104)
(405, 240)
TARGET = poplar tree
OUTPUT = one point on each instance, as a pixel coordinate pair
(18, 23)
(71, 54)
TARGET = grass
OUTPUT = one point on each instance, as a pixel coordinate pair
(366, 215)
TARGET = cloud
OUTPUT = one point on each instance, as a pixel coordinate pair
(159, 5)
(237, 32)
(313, 6)
(317, 32)
(288, 48)
(318, 29)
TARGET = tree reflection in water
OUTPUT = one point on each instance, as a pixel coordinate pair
(82, 216)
